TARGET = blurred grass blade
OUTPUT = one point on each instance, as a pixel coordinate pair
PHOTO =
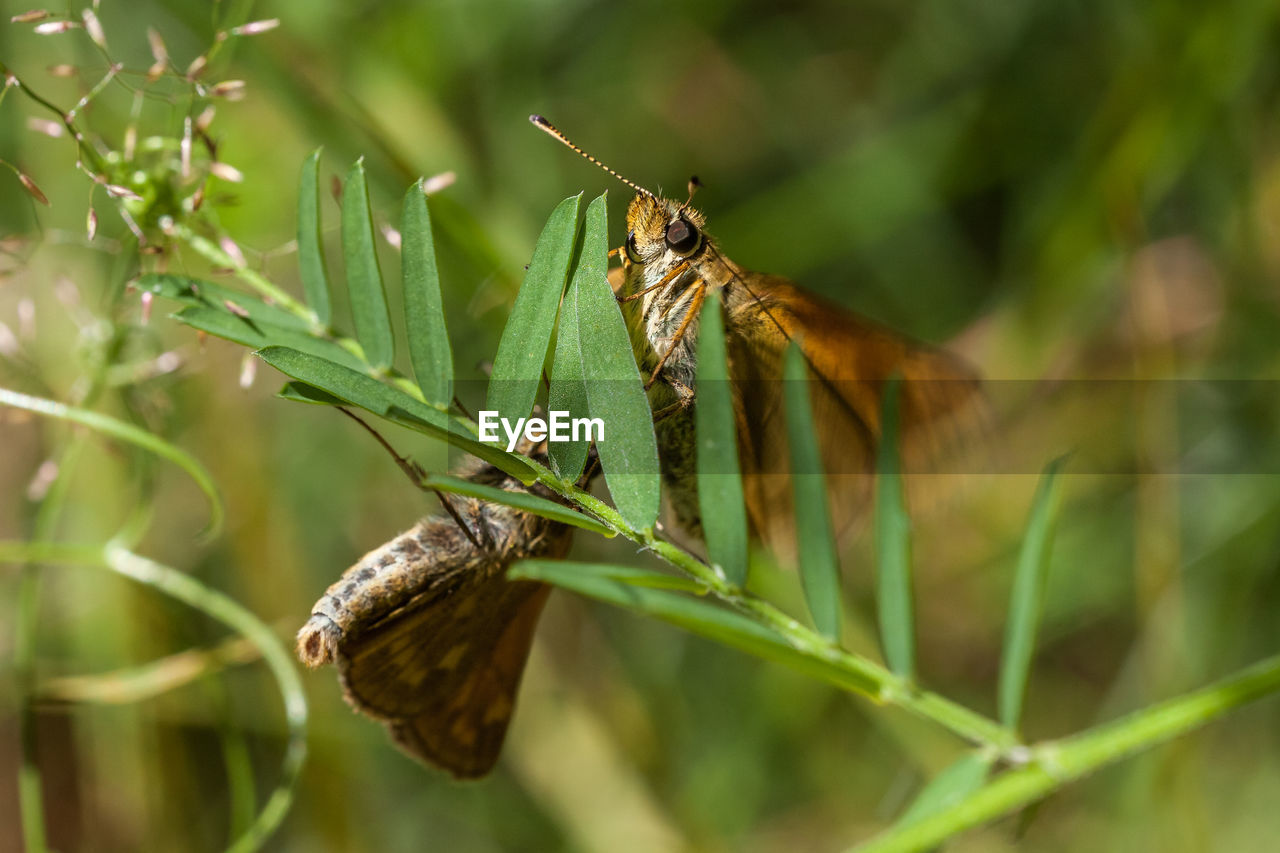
(724, 514)
(615, 391)
(893, 544)
(530, 503)
(429, 349)
(364, 276)
(815, 538)
(258, 334)
(141, 682)
(311, 263)
(952, 784)
(131, 434)
(277, 658)
(517, 367)
(568, 392)
(611, 585)
(1027, 598)
(207, 294)
(364, 391)
(221, 608)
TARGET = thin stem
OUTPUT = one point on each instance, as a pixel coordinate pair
(890, 689)
(1053, 764)
(86, 150)
(215, 254)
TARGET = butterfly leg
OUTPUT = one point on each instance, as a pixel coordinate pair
(666, 279)
(684, 395)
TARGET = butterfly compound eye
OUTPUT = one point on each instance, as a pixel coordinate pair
(682, 238)
(633, 253)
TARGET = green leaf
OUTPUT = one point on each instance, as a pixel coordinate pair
(364, 277)
(1027, 598)
(301, 392)
(364, 391)
(615, 391)
(609, 584)
(208, 294)
(423, 307)
(568, 392)
(258, 334)
(530, 503)
(311, 263)
(952, 784)
(815, 538)
(724, 515)
(517, 368)
(893, 545)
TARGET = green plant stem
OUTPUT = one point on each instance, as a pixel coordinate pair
(1052, 764)
(215, 254)
(888, 688)
(87, 152)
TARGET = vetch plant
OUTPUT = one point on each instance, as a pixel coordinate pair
(566, 326)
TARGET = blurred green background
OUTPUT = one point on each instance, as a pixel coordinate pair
(1067, 192)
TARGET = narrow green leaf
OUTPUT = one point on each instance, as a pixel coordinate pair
(530, 503)
(952, 784)
(258, 334)
(815, 538)
(594, 572)
(893, 545)
(615, 391)
(311, 263)
(517, 367)
(208, 294)
(1027, 598)
(568, 392)
(364, 391)
(429, 349)
(610, 585)
(301, 392)
(724, 514)
(364, 276)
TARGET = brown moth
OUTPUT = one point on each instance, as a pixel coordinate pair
(428, 634)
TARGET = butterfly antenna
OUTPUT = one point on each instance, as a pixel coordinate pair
(694, 186)
(546, 126)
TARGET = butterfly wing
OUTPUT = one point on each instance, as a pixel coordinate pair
(851, 359)
(443, 676)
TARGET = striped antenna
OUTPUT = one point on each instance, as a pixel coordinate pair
(542, 124)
